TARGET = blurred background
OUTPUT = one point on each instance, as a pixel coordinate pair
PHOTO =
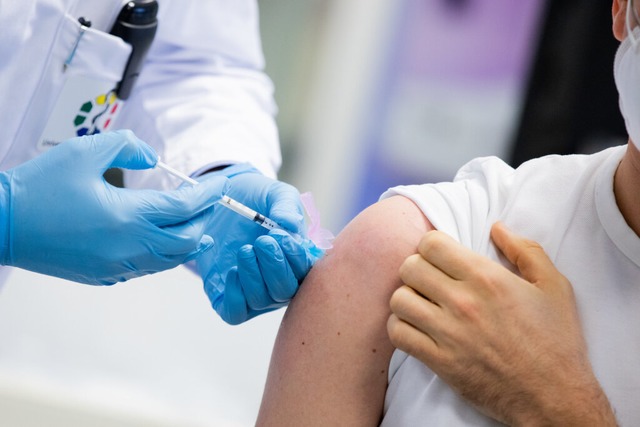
(372, 94)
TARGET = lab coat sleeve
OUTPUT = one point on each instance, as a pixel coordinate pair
(202, 98)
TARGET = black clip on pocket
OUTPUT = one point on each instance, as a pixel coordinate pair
(136, 24)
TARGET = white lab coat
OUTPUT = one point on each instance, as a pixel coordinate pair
(201, 100)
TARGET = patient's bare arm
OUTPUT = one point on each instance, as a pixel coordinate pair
(330, 360)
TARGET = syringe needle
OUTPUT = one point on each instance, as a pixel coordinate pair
(226, 201)
(249, 213)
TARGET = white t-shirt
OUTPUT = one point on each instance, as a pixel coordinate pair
(567, 204)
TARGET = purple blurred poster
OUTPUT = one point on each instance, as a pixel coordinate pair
(451, 90)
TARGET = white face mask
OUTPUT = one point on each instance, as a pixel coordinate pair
(626, 70)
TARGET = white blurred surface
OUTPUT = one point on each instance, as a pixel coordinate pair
(148, 352)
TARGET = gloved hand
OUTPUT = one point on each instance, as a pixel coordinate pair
(250, 272)
(58, 216)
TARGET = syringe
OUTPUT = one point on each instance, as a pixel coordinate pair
(227, 201)
(176, 173)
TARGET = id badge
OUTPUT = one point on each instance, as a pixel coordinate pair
(86, 106)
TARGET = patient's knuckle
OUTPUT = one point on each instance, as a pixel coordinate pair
(465, 306)
(486, 278)
(398, 299)
(394, 302)
(431, 242)
(532, 247)
(409, 265)
(396, 330)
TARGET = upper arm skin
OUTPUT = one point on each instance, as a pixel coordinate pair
(330, 360)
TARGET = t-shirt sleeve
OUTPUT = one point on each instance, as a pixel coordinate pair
(466, 208)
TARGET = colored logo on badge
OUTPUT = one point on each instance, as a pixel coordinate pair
(96, 115)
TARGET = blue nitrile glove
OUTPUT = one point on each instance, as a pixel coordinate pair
(250, 272)
(58, 216)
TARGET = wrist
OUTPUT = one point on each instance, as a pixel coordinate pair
(5, 215)
(226, 169)
(232, 170)
(213, 169)
(586, 405)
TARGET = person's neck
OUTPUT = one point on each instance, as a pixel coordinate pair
(626, 185)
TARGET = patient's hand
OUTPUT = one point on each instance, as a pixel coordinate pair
(511, 345)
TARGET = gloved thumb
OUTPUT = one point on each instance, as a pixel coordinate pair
(232, 305)
(121, 149)
(286, 207)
